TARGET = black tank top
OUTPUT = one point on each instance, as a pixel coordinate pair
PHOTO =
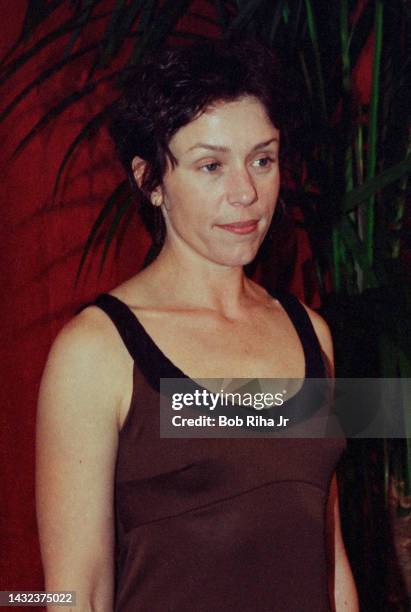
(209, 525)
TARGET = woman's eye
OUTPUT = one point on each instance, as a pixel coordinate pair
(263, 162)
(211, 167)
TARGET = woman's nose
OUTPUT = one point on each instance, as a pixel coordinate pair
(241, 188)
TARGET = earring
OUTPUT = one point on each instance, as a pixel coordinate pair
(156, 198)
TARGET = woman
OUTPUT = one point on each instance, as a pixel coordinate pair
(132, 521)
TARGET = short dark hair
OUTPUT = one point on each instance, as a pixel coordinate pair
(171, 88)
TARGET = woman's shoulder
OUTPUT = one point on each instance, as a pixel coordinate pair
(323, 334)
(319, 324)
(87, 361)
(88, 334)
(92, 330)
(320, 327)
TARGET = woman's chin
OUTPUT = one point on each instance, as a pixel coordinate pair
(236, 260)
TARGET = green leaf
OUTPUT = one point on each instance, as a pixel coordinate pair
(149, 9)
(373, 127)
(164, 24)
(169, 15)
(82, 21)
(110, 203)
(116, 17)
(336, 251)
(12, 67)
(37, 12)
(293, 22)
(7, 70)
(312, 30)
(144, 28)
(276, 19)
(286, 13)
(204, 18)
(119, 28)
(352, 241)
(42, 77)
(58, 109)
(246, 13)
(371, 187)
(121, 211)
(345, 56)
(88, 130)
(222, 14)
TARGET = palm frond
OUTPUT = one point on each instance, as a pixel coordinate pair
(111, 233)
(246, 11)
(373, 186)
(85, 133)
(38, 11)
(312, 31)
(166, 20)
(82, 21)
(373, 126)
(277, 15)
(118, 29)
(112, 201)
(43, 77)
(10, 68)
(58, 109)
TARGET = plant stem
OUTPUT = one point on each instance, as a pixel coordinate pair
(359, 164)
(373, 126)
(345, 56)
(312, 30)
(336, 259)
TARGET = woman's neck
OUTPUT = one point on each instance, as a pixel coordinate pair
(196, 282)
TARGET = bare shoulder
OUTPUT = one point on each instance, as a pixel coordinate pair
(323, 332)
(90, 338)
(87, 359)
(89, 331)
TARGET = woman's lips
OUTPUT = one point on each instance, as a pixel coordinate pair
(241, 227)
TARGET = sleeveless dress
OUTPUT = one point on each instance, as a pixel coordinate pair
(210, 525)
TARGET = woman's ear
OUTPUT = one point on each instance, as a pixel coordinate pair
(138, 166)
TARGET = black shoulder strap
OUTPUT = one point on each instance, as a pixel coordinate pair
(138, 342)
(146, 354)
(123, 319)
(305, 330)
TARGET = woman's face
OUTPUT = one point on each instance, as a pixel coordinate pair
(219, 198)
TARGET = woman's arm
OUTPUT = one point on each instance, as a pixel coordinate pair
(76, 450)
(341, 582)
(343, 592)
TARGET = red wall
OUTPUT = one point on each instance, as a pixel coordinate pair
(40, 249)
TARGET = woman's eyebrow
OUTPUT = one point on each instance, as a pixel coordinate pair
(261, 145)
(203, 145)
(222, 149)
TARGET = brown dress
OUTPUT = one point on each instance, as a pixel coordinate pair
(209, 525)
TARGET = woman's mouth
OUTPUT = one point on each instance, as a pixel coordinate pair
(241, 227)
